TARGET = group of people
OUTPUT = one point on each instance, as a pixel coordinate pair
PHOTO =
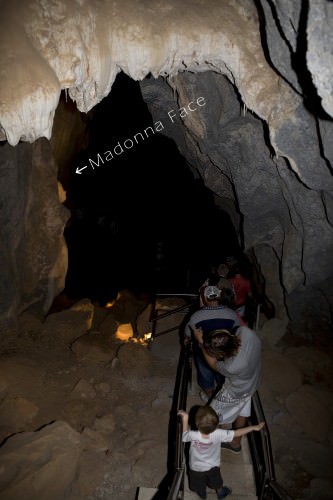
(227, 354)
(230, 277)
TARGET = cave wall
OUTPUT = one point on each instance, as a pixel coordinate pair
(277, 171)
(282, 219)
(262, 143)
(33, 252)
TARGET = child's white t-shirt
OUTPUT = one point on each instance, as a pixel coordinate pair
(205, 452)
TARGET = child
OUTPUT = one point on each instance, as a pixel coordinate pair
(205, 450)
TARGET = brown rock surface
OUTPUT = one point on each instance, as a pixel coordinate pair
(114, 416)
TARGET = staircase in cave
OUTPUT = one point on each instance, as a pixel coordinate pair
(237, 470)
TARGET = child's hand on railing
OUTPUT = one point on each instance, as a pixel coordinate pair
(184, 416)
(182, 413)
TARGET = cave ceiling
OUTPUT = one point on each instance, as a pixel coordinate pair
(277, 59)
(81, 45)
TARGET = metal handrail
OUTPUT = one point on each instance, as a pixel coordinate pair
(179, 475)
(154, 316)
(176, 485)
(267, 486)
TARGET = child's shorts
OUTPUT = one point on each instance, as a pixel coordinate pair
(199, 480)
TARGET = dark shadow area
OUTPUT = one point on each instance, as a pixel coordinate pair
(139, 218)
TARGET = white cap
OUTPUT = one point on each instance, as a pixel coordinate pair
(212, 292)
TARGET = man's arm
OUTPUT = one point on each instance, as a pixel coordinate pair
(187, 333)
(210, 360)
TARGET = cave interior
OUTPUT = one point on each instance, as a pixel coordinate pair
(160, 232)
(87, 211)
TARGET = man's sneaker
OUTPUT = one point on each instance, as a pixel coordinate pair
(227, 446)
(224, 492)
(203, 396)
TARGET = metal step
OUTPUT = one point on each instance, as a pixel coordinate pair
(149, 493)
(237, 477)
(212, 496)
(146, 493)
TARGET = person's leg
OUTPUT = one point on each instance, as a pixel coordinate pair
(235, 444)
(241, 420)
(238, 424)
(214, 478)
(197, 483)
(215, 481)
(205, 375)
(223, 492)
(219, 380)
(238, 415)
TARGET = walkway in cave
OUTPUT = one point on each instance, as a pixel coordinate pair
(237, 470)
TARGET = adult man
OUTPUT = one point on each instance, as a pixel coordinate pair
(236, 356)
(218, 278)
(215, 315)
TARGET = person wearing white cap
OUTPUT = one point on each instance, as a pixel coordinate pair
(218, 278)
(212, 292)
(215, 315)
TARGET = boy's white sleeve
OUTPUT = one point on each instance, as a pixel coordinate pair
(187, 330)
(186, 437)
(226, 435)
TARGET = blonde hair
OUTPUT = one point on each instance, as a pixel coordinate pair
(206, 419)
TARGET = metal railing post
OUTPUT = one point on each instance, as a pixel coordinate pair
(258, 317)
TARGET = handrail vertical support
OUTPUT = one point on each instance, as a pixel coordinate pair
(258, 317)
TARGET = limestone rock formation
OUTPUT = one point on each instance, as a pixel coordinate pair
(33, 253)
(53, 452)
(261, 142)
(282, 218)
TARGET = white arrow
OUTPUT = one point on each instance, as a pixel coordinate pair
(79, 170)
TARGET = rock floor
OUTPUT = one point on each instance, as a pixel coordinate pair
(86, 415)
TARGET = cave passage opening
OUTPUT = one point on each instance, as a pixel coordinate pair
(141, 218)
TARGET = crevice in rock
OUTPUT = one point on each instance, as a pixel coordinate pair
(312, 100)
(263, 35)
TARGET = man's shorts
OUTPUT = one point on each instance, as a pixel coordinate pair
(228, 408)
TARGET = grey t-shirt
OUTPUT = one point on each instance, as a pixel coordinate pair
(242, 372)
(205, 452)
